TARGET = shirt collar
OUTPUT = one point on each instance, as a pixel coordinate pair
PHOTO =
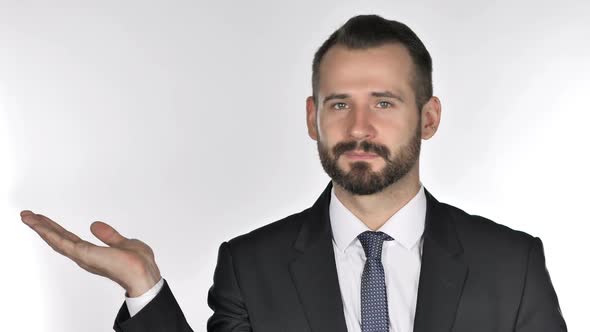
(406, 226)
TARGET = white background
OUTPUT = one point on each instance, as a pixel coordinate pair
(182, 123)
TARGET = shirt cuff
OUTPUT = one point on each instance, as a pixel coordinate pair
(135, 304)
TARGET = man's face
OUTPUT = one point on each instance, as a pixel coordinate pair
(366, 122)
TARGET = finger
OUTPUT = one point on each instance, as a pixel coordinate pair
(95, 259)
(35, 222)
(25, 212)
(31, 219)
(71, 236)
(106, 233)
(82, 252)
(28, 217)
(54, 239)
(54, 235)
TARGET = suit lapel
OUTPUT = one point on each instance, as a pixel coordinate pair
(443, 271)
(314, 270)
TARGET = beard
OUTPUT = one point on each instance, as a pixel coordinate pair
(361, 180)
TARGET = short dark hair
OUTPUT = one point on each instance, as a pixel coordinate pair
(367, 31)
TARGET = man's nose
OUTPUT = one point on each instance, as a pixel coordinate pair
(360, 124)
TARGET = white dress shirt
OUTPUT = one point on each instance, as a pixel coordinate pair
(401, 260)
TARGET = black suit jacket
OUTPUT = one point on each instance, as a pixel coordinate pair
(476, 276)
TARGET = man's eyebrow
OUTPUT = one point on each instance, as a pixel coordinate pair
(387, 94)
(378, 94)
(335, 96)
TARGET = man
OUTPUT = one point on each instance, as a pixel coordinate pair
(376, 252)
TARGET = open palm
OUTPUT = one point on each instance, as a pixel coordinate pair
(128, 262)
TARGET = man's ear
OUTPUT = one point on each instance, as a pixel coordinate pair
(311, 110)
(430, 117)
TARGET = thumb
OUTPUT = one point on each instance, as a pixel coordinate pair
(106, 233)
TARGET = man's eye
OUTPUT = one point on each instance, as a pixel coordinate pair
(339, 106)
(384, 104)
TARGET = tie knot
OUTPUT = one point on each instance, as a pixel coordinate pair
(373, 243)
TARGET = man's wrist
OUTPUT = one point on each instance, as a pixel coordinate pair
(135, 304)
(142, 285)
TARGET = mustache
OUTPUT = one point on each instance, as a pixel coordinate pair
(364, 146)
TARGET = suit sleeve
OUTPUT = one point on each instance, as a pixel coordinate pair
(539, 308)
(225, 297)
(162, 314)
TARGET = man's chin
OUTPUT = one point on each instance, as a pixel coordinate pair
(360, 188)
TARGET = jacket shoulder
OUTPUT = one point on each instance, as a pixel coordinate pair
(475, 231)
(277, 234)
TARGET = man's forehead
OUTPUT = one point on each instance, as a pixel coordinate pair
(383, 68)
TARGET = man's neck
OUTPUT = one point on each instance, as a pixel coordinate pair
(374, 210)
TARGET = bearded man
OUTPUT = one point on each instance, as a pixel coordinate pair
(376, 252)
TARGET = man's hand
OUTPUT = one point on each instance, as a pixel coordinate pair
(128, 262)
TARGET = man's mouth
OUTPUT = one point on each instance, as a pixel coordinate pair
(360, 155)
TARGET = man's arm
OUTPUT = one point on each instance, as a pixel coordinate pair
(131, 264)
(225, 297)
(539, 309)
(164, 314)
(128, 262)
